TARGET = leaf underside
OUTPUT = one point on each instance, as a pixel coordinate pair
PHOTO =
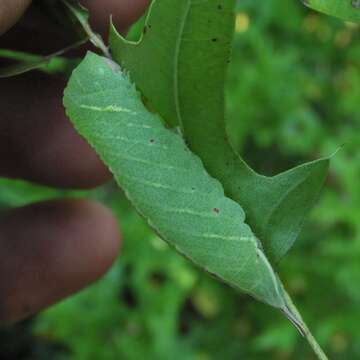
(180, 65)
(165, 181)
(348, 10)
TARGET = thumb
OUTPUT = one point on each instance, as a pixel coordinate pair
(10, 12)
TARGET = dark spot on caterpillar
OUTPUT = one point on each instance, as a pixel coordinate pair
(216, 210)
(152, 140)
(220, 7)
(214, 40)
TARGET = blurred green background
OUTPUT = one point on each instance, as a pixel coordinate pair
(293, 95)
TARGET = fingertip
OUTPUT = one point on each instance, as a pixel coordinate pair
(38, 142)
(103, 246)
(10, 12)
(51, 250)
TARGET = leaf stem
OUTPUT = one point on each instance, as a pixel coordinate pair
(294, 316)
(95, 38)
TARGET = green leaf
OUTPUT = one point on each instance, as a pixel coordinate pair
(180, 65)
(166, 183)
(348, 10)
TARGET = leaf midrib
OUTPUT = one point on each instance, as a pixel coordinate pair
(176, 60)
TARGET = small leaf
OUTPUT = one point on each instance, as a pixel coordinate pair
(29, 62)
(180, 67)
(22, 67)
(165, 182)
(348, 10)
(65, 11)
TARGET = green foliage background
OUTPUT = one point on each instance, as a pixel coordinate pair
(293, 95)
